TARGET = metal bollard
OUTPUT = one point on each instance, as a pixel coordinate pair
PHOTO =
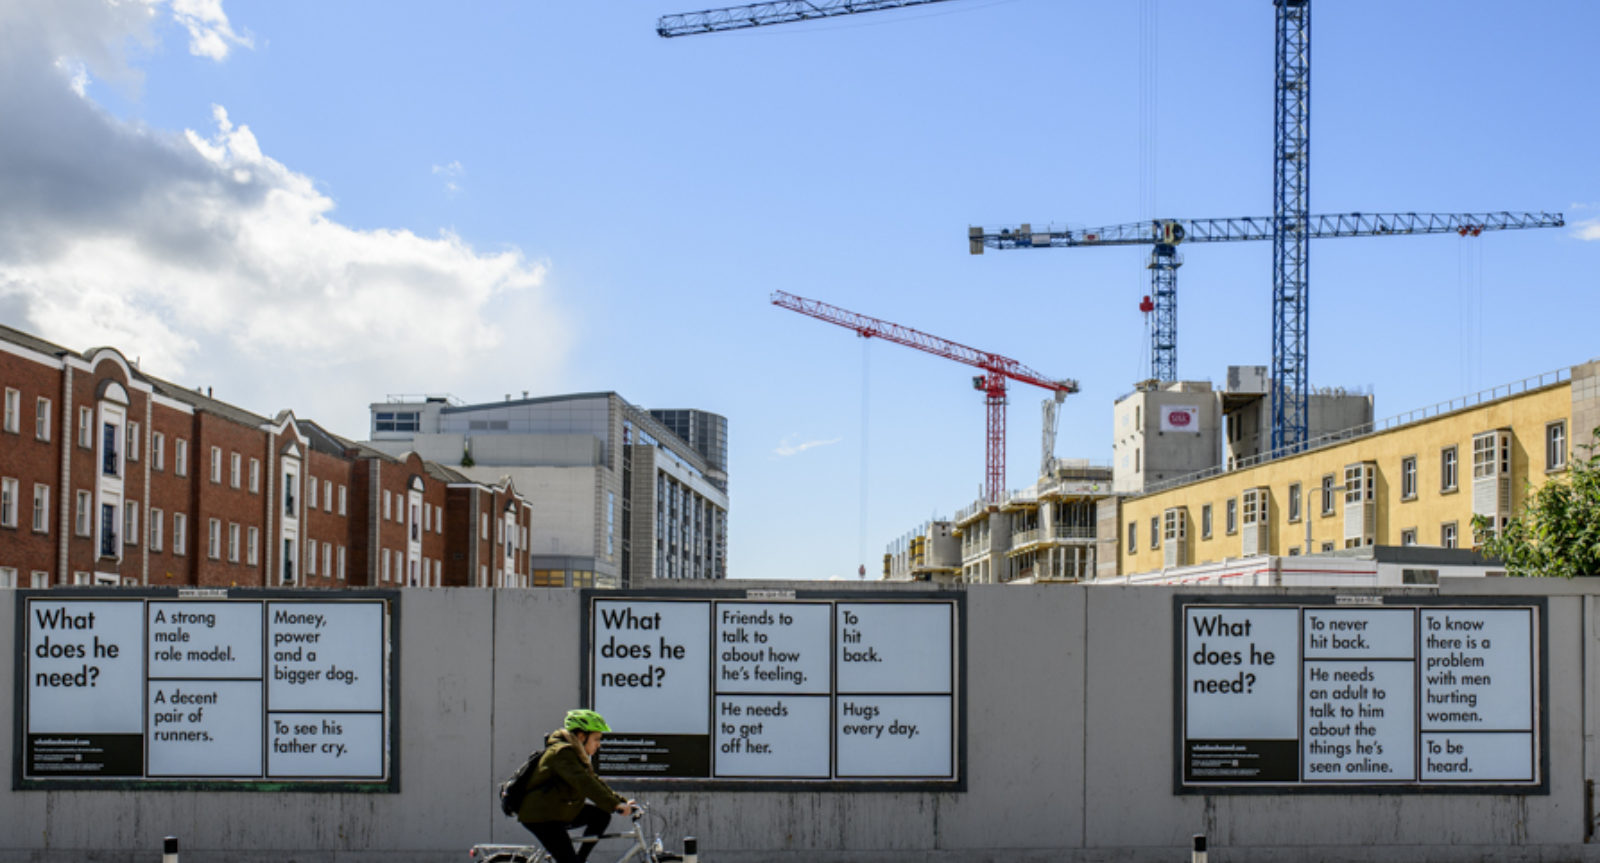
(169, 850)
(690, 850)
(1199, 853)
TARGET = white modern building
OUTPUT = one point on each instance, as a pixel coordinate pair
(618, 496)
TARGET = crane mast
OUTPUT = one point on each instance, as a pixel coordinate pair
(996, 370)
(1291, 195)
(763, 14)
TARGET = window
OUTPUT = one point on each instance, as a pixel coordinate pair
(41, 508)
(1133, 537)
(252, 546)
(1408, 477)
(290, 487)
(130, 522)
(235, 469)
(1419, 576)
(40, 580)
(214, 539)
(1555, 445)
(1352, 484)
(483, 528)
(1232, 516)
(1327, 546)
(180, 534)
(81, 579)
(327, 559)
(111, 461)
(341, 563)
(1294, 501)
(216, 464)
(13, 410)
(108, 530)
(8, 577)
(155, 529)
(1327, 494)
(327, 495)
(133, 441)
(8, 502)
(85, 428)
(288, 561)
(1447, 535)
(1483, 455)
(387, 509)
(386, 564)
(427, 517)
(311, 493)
(1205, 521)
(180, 457)
(82, 515)
(1447, 469)
(41, 419)
(255, 476)
(158, 450)
(341, 499)
(611, 523)
(233, 542)
(311, 555)
(416, 533)
(1155, 531)
(1408, 536)
(397, 421)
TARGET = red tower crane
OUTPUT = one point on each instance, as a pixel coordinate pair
(996, 370)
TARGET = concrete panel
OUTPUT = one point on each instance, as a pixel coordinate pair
(1025, 722)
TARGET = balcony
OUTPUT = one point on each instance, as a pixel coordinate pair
(1070, 531)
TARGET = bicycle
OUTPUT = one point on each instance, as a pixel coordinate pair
(645, 851)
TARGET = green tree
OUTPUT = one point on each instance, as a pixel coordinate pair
(1558, 531)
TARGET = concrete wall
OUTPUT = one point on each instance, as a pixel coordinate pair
(1070, 721)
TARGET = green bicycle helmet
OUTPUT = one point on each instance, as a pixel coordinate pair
(586, 720)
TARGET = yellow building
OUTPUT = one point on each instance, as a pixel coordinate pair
(1415, 480)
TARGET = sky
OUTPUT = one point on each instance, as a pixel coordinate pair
(314, 206)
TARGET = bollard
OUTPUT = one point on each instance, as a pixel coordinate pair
(1199, 853)
(169, 850)
(690, 850)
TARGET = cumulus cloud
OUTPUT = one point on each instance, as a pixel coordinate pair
(210, 260)
(1588, 229)
(788, 448)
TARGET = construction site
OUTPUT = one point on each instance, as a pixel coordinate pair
(1215, 483)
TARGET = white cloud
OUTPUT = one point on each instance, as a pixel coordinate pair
(1588, 229)
(786, 448)
(451, 173)
(209, 31)
(219, 265)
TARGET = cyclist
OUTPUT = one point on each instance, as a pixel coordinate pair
(564, 779)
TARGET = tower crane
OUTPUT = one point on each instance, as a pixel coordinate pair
(762, 14)
(1290, 227)
(996, 371)
(1165, 235)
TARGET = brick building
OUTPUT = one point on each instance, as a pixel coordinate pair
(110, 476)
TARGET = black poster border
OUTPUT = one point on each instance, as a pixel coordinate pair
(1541, 644)
(958, 604)
(390, 598)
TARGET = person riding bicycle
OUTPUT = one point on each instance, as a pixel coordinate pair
(563, 780)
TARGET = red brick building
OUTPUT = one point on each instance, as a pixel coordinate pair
(110, 476)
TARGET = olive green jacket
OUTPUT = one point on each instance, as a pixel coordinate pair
(561, 782)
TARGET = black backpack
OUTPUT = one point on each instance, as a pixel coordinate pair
(515, 789)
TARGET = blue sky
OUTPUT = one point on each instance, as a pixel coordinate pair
(313, 205)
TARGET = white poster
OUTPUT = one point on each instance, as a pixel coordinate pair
(650, 661)
(215, 688)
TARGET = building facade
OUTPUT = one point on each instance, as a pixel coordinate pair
(1418, 480)
(618, 496)
(109, 476)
